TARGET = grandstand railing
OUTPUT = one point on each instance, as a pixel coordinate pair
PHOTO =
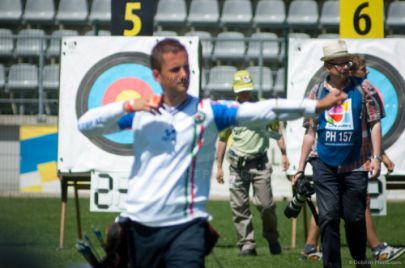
(37, 102)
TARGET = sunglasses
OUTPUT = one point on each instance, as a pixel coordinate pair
(342, 64)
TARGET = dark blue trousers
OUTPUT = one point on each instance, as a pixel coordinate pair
(340, 195)
(167, 247)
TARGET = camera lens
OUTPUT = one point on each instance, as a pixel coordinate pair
(294, 207)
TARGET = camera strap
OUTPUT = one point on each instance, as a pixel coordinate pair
(313, 210)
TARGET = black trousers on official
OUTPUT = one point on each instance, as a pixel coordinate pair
(340, 195)
(175, 246)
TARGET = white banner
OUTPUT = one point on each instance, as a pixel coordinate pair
(387, 71)
(96, 71)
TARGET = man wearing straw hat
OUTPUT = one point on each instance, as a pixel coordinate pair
(336, 144)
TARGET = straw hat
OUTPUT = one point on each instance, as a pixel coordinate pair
(335, 50)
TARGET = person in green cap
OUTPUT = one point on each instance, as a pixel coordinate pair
(249, 165)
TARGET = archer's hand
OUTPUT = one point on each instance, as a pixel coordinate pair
(148, 103)
(333, 98)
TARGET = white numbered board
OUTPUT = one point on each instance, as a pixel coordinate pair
(378, 196)
(108, 191)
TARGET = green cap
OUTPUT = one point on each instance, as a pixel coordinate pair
(242, 81)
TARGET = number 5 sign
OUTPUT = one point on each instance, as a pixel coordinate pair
(132, 17)
(361, 19)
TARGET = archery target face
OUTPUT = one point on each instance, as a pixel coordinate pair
(118, 77)
(391, 87)
(386, 73)
(96, 71)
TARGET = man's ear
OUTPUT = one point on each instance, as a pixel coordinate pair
(156, 75)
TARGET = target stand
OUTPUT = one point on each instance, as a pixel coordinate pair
(79, 181)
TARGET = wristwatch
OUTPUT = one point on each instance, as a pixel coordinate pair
(376, 157)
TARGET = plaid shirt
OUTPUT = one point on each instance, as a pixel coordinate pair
(372, 111)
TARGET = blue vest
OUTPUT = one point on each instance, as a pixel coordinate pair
(339, 129)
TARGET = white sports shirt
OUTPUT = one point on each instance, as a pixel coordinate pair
(174, 150)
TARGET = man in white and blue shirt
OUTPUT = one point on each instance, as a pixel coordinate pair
(174, 149)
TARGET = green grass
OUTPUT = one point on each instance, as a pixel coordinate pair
(31, 225)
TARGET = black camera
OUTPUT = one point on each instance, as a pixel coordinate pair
(303, 189)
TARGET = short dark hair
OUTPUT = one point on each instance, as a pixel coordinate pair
(166, 45)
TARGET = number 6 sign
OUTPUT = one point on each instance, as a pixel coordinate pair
(362, 19)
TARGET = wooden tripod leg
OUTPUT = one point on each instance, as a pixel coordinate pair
(62, 224)
(293, 233)
(63, 186)
(78, 221)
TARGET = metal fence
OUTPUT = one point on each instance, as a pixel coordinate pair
(29, 68)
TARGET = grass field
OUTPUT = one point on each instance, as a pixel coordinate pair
(29, 228)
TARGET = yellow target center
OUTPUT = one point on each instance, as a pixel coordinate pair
(127, 95)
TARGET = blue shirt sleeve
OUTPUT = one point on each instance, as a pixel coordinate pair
(125, 122)
(224, 115)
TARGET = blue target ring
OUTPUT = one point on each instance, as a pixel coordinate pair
(112, 79)
(113, 74)
(389, 97)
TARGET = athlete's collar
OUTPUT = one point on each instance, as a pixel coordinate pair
(177, 108)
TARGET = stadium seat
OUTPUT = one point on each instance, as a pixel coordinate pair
(395, 36)
(39, 11)
(236, 13)
(50, 77)
(6, 43)
(203, 13)
(4, 107)
(330, 15)
(204, 79)
(396, 16)
(50, 83)
(263, 75)
(98, 33)
(220, 81)
(100, 11)
(269, 14)
(170, 12)
(279, 86)
(72, 11)
(22, 84)
(299, 35)
(229, 46)
(23, 76)
(270, 46)
(206, 44)
(2, 76)
(30, 42)
(165, 33)
(10, 11)
(303, 14)
(328, 36)
(54, 44)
